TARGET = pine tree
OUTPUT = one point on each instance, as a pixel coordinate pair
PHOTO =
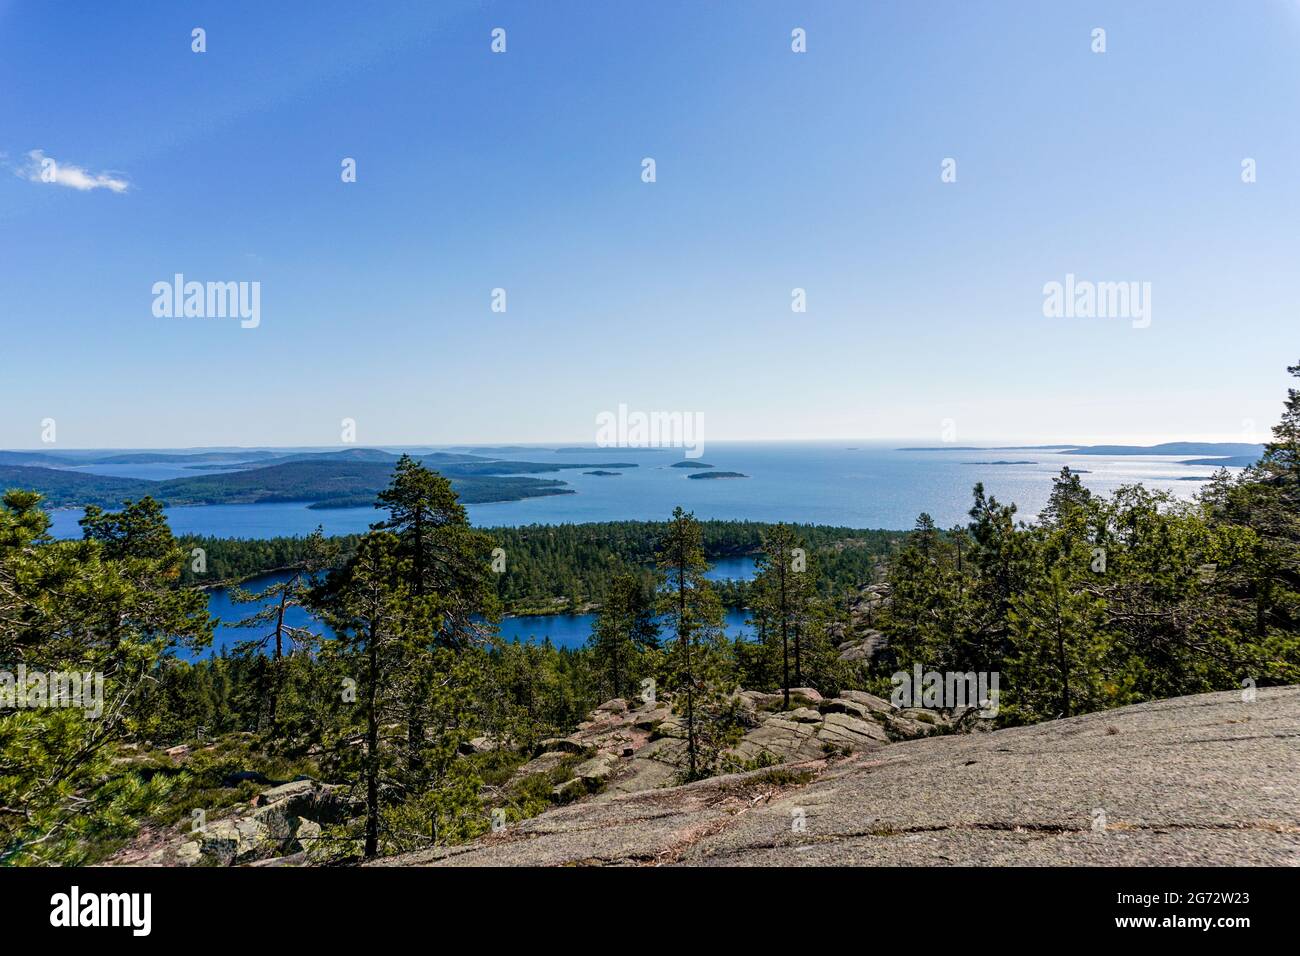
(783, 588)
(273, 604)
(998, 566)
(445, 558)
(925, 600)
(1058, 631)
(624, 628)
(382, 629)
(695, 657)
(111, 606)
(374, 616)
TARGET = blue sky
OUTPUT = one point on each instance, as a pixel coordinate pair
(522, 170)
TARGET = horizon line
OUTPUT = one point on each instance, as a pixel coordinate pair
(920, 443)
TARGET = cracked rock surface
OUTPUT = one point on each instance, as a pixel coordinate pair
(1203, 780)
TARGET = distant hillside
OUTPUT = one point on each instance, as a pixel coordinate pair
(324, 483)
(1232, 461)
(164, 458)
(69, 458)
(42, 458)
(1173, 448)
(63, 488)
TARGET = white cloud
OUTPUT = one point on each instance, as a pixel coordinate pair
(44, 169)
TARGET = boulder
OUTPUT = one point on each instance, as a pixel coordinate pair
(233, 840)
(542, 763)
(808, 694)
(842, 705)
(651, 718)
(305, 835)
(864, 646)
(804, 715)
(277, 808)
(778, 739)
(559, 745)
(189, 854)
(478, 745)
(596, 770)
(852, 733)
(616, 705)
(304, 786)
(906, 729)
(279, 819)
(870, 701)
(752, 701)
(671, 726)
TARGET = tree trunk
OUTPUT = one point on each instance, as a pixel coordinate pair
(372, 750)
(690, 674)
(419, 552)
(1064, 665)
(798, 659)
(279, 653)
(785, 641)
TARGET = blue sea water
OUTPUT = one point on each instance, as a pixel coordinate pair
(563, 630)
(865, 486)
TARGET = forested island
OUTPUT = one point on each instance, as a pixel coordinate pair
(416, 727)
(345, 479)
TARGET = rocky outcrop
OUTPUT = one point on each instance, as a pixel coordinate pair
(625, 746)
(835, 727)
(633, 746)
(1204, 780)
(858, 639)
(282, 821)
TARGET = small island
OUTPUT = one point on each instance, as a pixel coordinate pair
(716, 474)
(690, 464)
(604, 474)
